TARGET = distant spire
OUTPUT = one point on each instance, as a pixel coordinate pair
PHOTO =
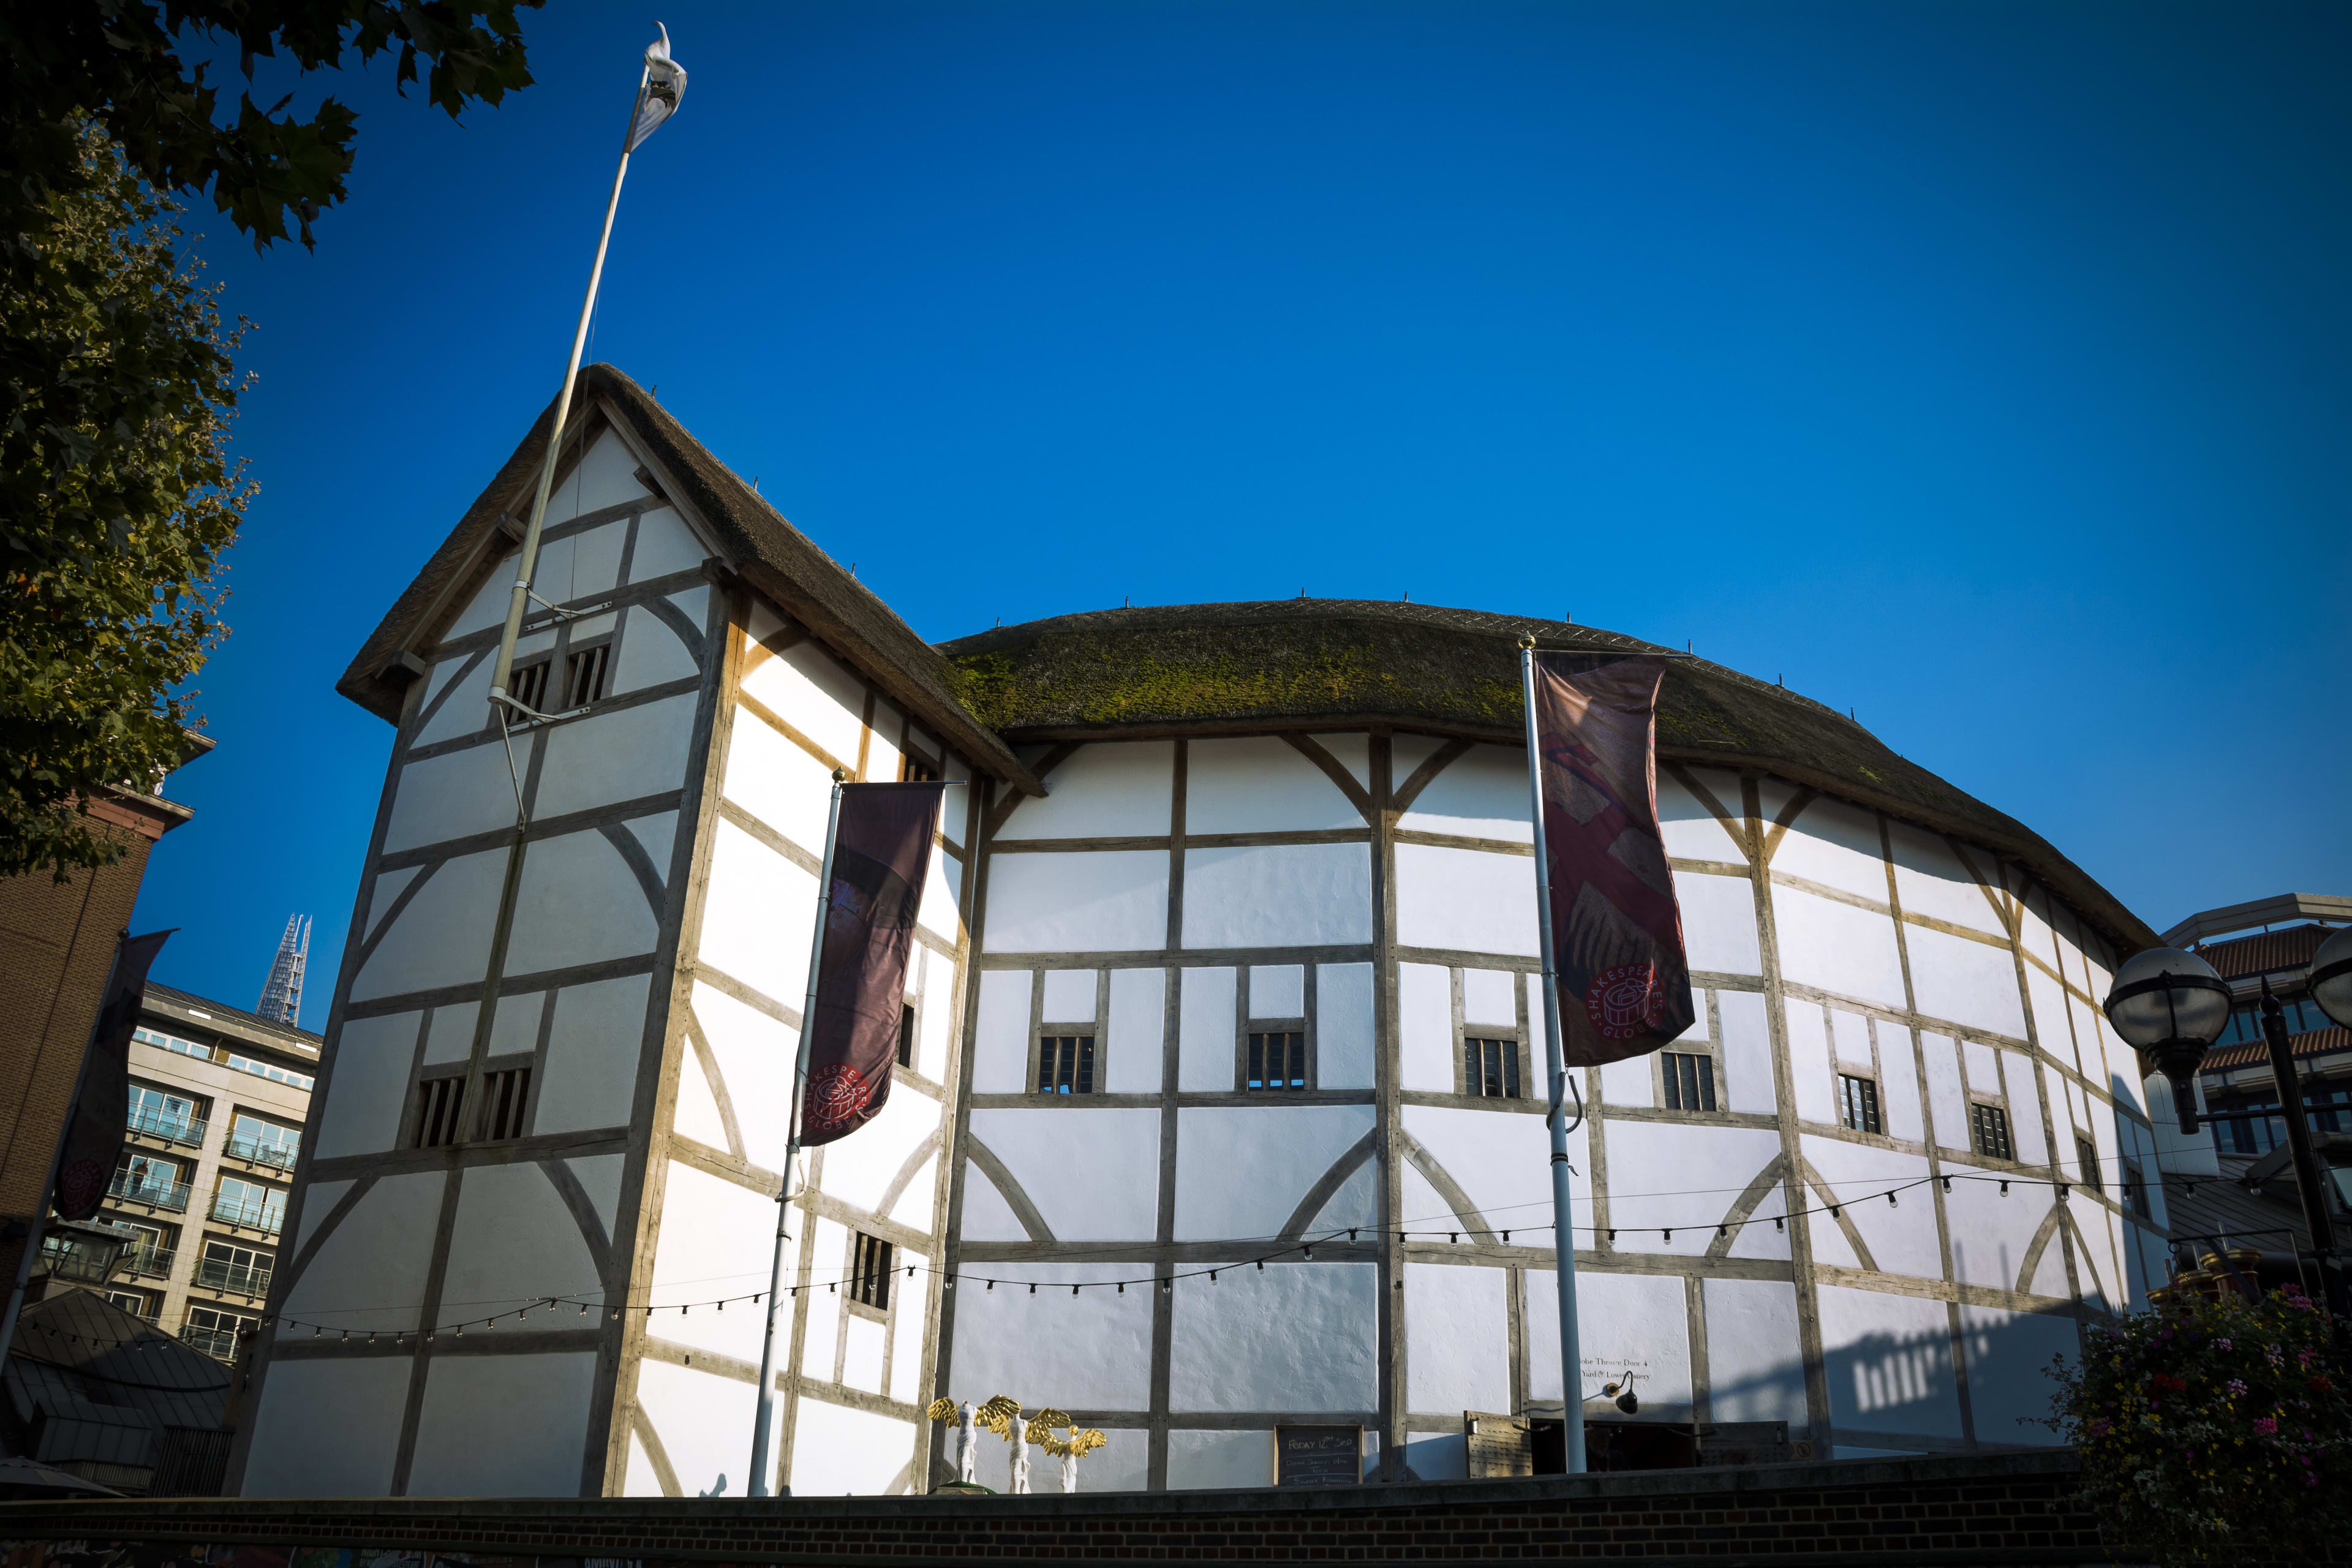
(282, 998)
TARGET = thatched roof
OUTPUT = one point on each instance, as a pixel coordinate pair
(1338, 663)
(762, 548)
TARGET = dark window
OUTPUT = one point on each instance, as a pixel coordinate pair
(2136, 1191)
(240, 1270)
(1490, 1067)
(138, 1303)
(906, 1035)
(912, 769)
(1066, 1063)
(527, 684)
(1858, 1103)
(584, 675)
(503, 1097)
(1277, 1060)
(2086, 1155)
(870, 1275)
(437, 1100)
(1690, 1081)
(1989, 1124)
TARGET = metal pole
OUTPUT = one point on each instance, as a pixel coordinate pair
(520, 602)
(767, 1400)
(1563, 1232)
(48, 1186)
(2306, 1165)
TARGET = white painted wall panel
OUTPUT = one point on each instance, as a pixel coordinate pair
(1483, 793)
(599, 1177)
(1966, 981)
(1101, 1338)
(1981, 1066)
(666, 544)
(1691, 832)
(1718, 923)
(1502, 1161)
(1241, 1170)
(1285, 895)
(1353, 753)
(1069, 996)
(1488, 996)
(376, 1254)
(808, 689)
(329, 1428)
(755, 1055)
(1636, 1321)
(1889, 1362)
(1114, 900)
(2007, 1356)
(591, 1056)
(1901, 1236)
(1107, 790)
(577, 902)
(986, 1215)
(1209, 1459)
(623, 754)
(513, 1244)
(915, 1204)
(1932, 880)
(1992, 1232)
(514, 1022)
(861, 1353)
(757, 914)
(704, 1423)
(1465, 899)
(368, 1089)
(651, 652)
(939, 1017)
(1425, 1028)
(859, 1170)
(1755, 1362)
(384, 892)
(1222, 1359)
(941, 912)
(1838, 947)
(1810, 1081)
(777, 782)
(1747, 1052)
(488, 608)
(450, 796)
(1343, 1025)
(1850, 1041)
(1277, 990)
(1663, 1176)
(832, 1260)
(1135, 1048)
(2024, 1110)
(1899, 1100)
(1948, 1104)
(1355, 1205)
(503, 1426)
(1204, 1034)
(605, 475)
(1000, 1063)
(1457, 1340)
(1627, 1082)
(841, 1452)
(1836, 844)
(443, 937)
(1259, 783)
(1094, 1175)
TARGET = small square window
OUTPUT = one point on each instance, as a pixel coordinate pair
(1858, 1103)
(1689, 1079)
(1490, 1067)
(438, 1101)
(2135, 1190)
(906, 1034)
(1989, 1126)
(1277, 1060)
(503, 1097)
(869, 1274)
(1066, 1063)
(527, 684)
(2087, 1155)
(584, 675)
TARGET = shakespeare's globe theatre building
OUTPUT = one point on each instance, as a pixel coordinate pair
(1225, 963)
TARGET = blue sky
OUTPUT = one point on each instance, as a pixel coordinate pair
(1985, 369)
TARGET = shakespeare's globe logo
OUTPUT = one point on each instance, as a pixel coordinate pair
(1624, 1002)
(836, 1096)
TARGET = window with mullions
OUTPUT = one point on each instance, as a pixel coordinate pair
(913, 769)
(1490, 1067)
(2087, 1155)
(1277, 1061)
(584, 670)
(1689, 1080)
(527, 684)
(1989, 1129)
(1858, 1103)
(438, 1101)
(1066, 1063)
(869, 1272)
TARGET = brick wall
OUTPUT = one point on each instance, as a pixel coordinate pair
(2014, 1509)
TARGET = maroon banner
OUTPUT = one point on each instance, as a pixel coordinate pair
(94, 1140)
(1617, 934)
(881, 854)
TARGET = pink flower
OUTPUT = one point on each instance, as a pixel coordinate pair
(2223, 1345)
(2266, 1427)
(2236, 1386)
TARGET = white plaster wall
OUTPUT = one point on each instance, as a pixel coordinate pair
(1204, 1032)
(1111, 900)
(940, 1016)
(1001, 1038)
(704, 1423)
(859, 1169)
(1811, 1080)
(1755, 1361)
(369, 1085)
(1425, 1028)
(1992, 1232)
(1836, 844)
(758, 915)
(1100, 1339)
(1241, 1170)
(754, 1053)
(1259, 783)
(713, 1240)
(1286, 895)
(1069, 996)
(1946, 1102)
(1277, 990)
(1718, 923)
(1222, 1358)
(841, 1452)
(592, 1055)
(1899, 1098)
(1901, 1236)
(1343, 1025)
(452, 795)
(1116, 790)
(1889, 1362)
(327, 1428)
(1094, 1175)
(376, 1254)
(503, 1425)
(1483, 793)
(1457, 1340)
(623, 754)
(1501, 1159)
(1464, 900)
(576, 903)
(986, 1215)
(1966, 981)
(1931, 880)
(1134, 1046)
(651, 652)
(666, 544)
(513, 1244)
(777, 782)
(443, 937)
(809, 690)
(1747, 1082)
(1198, 1460)
(2009, 1355)
(1837, 947)
(1690, 829)
(1700, 1169)
(1635, 1321)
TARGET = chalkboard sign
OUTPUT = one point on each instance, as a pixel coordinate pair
(1319, 1455)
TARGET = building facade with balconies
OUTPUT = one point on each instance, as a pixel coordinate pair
(218, 1100)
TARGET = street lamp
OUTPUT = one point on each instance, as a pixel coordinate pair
(2331, 977)
(2170, 1006)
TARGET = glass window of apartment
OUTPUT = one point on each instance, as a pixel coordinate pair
(138, 1303)
(1988, 1128)
(264, 1141)
(163, 1041)
(154, 1252)
(1689, 1080)
(150, 1179)
(214, 1329)
(234, 1267)
(165, 1114)
(271, 1071)
(1858, 1103)
(249, 1204)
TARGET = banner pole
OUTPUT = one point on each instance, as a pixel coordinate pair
(1563, 1232)
(765, 1405)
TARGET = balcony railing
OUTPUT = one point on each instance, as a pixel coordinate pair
(250, 1212)
(155, 1262)
(277, 1157)
(218, 1343)
(187, 1130)
(130, 1187)
(219, 1274)
(65, 1260)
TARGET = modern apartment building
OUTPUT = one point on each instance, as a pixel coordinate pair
(2271, 940)
(218, 1098)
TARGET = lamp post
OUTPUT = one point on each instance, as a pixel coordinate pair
(2171, 1005)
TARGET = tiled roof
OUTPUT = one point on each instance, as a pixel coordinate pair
(2312, 1043)
(2266, 953)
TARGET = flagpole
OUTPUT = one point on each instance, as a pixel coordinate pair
(1563, 1232)
(764, 1406)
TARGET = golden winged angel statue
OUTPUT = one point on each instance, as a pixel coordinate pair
(1044, 1430)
